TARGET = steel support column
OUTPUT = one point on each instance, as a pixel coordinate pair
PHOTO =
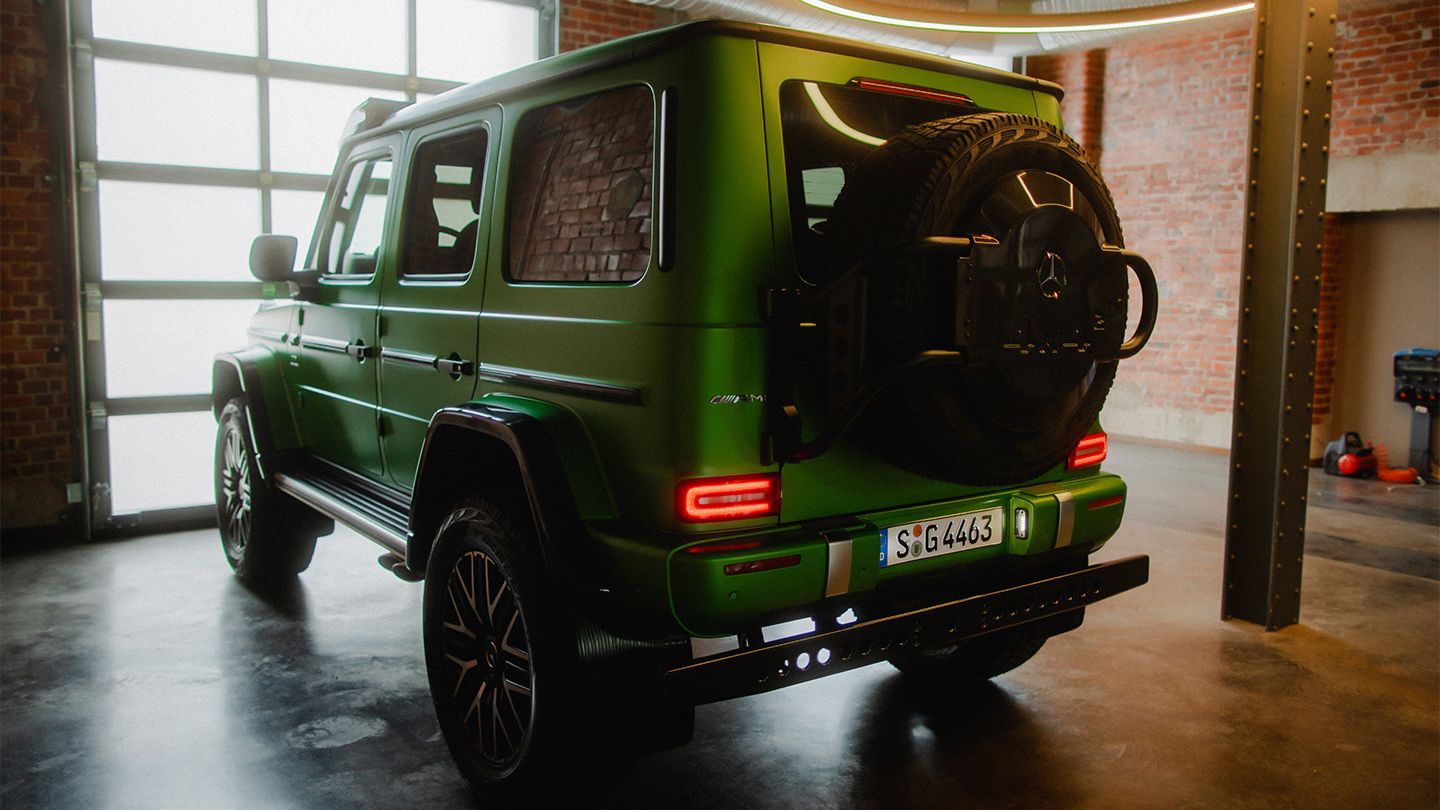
(1279, 308)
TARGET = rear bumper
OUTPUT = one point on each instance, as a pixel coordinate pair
(720, 585)
(795, 660)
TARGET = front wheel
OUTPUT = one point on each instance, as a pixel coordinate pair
(268, 536)
(499, 653)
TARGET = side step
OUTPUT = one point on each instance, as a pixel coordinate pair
(380, 517)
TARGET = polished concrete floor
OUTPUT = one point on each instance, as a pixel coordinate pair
(139, 674)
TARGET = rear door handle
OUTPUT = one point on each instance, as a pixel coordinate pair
(359, 350)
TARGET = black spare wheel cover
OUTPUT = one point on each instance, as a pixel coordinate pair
(1024, 182)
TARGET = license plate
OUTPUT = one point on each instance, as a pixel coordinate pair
(941, 536)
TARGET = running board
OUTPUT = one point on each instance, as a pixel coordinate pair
(377, 521)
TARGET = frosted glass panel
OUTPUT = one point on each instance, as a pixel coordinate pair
(364, 34)
(467, 40)
(166, 347)
(294, 213)
(163, 232)
(306, 120)
(228, 27)
(155, 114)
(161, 461)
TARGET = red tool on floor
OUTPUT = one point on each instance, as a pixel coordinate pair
(1348, 456)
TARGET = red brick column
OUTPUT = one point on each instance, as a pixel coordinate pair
(38, 448)
(1325, 347)
(1082, 74)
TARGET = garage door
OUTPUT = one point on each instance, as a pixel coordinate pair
(198, 126)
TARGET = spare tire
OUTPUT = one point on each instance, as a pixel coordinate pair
(981, 174)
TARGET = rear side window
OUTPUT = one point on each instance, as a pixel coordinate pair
(580, 189)
(442, 217)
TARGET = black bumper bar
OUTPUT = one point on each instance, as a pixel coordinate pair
(805, 658)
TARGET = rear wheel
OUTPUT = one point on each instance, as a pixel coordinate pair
(268, 537)
(500, 654)
(987, 174)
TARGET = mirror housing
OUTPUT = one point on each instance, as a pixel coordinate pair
(272, 256)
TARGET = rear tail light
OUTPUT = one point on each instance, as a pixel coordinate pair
(1089, 452)
(703, 500)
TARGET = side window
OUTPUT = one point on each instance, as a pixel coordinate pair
(580, 182)
(442, 213)
(352, 242)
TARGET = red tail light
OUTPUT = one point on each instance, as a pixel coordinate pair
(1090, 451)
(735, 498)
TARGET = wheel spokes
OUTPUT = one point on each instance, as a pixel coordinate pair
(235, 490)
(490, 651)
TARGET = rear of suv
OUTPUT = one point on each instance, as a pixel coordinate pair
(691, 366)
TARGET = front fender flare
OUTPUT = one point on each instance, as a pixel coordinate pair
(256, 374)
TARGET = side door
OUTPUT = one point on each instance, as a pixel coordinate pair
(337, 386)
(430, 304)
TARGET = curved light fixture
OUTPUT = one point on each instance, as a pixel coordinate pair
(981, 23)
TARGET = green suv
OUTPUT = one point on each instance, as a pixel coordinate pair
(690, 366)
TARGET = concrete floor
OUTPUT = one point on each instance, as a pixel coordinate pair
(138, 673)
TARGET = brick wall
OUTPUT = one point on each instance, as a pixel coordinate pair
(1173, 138)
(589, 22)
(38, 454)
(1174, 155)
(1387, 79)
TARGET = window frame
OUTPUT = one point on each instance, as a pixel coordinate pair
(411, 178)
(367, 154)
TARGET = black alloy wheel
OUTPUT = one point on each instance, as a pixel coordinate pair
(234, 499)
(483, 637)
(500, 654)
(268, 536)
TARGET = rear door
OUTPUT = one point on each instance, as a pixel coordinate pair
(822, 119)
(336, 385)
(431, 301)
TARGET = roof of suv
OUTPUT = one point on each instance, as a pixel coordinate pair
(639, 46)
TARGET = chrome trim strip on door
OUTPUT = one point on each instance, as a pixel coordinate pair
(407, 358)
(321, 344)
(557, 382)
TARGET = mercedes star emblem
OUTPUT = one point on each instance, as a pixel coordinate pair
(1051, 274)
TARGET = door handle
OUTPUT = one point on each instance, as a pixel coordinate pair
(454, 366)
(359, 350)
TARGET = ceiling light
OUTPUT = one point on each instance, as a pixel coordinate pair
(965, 22)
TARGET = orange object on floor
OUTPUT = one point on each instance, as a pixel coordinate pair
(1395, 475)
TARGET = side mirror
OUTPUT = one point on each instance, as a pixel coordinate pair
(272, 257)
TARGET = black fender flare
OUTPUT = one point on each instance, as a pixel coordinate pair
(488, 438)
(255, 374)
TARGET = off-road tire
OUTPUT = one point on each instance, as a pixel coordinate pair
(506, 698)
(268, 537)
(973, 661)
(958, 424)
